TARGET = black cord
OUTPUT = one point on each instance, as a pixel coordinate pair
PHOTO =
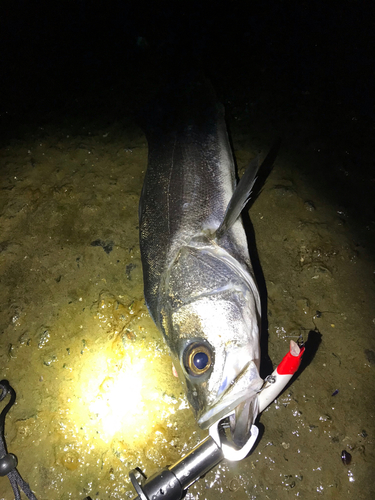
(8, 461)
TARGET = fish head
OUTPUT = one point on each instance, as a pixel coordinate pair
(213, 335)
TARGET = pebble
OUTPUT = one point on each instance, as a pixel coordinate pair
(309, 205)
(346, 457)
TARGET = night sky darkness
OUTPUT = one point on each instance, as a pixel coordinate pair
(100, 60)
(55, 52)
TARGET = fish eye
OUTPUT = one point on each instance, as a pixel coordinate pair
(197, 359)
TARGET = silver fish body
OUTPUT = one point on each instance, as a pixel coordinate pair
(199, 288)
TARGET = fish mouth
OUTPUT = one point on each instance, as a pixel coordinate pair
(242, 420)
(237, 426)
(237, 394)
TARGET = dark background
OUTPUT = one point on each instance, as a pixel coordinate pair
(55, 52)
(298, 64)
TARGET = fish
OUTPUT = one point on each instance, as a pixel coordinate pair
(199, 284)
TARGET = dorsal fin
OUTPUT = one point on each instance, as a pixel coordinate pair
(239, 198)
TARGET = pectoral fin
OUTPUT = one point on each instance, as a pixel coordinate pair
(240, 197)
(242, 193)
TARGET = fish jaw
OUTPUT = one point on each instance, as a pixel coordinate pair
(216, 307)
(240, 395)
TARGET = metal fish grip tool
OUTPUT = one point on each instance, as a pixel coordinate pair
(172, 482)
